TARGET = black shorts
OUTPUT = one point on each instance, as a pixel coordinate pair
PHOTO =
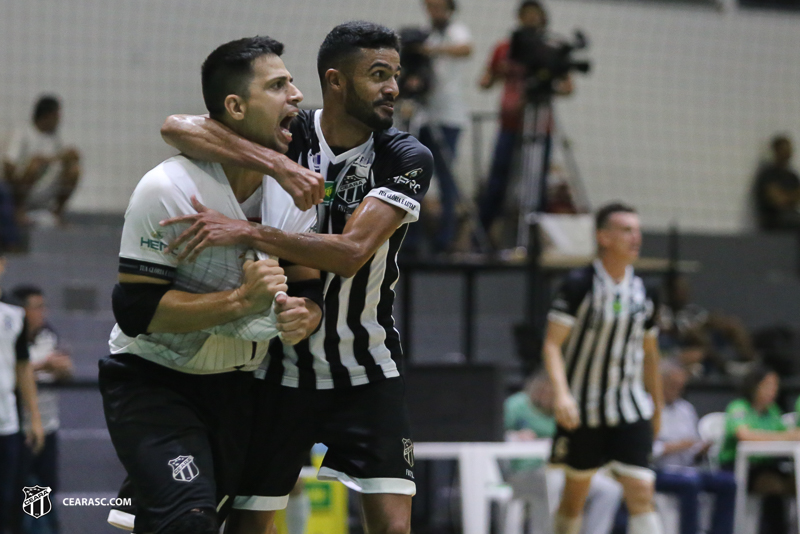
(181, 437)
(365, 428)
(625, 445)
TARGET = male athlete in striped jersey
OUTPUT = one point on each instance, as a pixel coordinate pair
(342, 388)
(177, 394)
(601, 351)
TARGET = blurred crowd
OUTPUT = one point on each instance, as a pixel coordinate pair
(691, 456)
(31, 362)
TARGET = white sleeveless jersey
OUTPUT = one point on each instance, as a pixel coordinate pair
(12, 323)
(164, 192)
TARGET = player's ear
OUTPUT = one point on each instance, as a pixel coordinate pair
(334, 79)
(235, 106)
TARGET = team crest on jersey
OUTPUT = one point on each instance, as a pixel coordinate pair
(408, 451)
(315, 161)
(37, 501)
(184, 468)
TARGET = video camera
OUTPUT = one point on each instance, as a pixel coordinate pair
(546, 61)
(416, 76)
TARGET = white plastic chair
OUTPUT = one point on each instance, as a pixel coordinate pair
(790, 419)
(711, 427)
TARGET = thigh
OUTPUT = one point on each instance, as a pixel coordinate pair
(581, 449)
(385, 512)
(718, 481)
(676, 481)
(283, 434)
(161, 441)
(631, 446)
(368, 435)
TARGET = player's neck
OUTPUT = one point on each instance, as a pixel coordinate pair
(342, 130)
(244, 182)
(615, 267)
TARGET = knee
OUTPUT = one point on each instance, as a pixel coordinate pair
(400, 525)
(194, 522)
(639, 497)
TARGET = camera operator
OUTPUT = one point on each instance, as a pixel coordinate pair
(448, 45)
(514, 75)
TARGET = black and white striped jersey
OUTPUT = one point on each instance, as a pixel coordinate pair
(357, 342)
(604, 352)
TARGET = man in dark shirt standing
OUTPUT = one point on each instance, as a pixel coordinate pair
(778, 189)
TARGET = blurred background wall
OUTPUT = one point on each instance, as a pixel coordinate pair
(673, 118)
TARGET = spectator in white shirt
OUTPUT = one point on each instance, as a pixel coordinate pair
(449, 45)
(41, 172)
(676, 450)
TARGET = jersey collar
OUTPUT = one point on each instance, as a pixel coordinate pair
(323, 144)
(607, 279)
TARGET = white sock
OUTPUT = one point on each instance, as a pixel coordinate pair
(297, 511)
(566, 525)
(648, 523)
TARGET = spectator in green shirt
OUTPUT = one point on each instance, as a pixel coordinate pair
(528, 415)
(756, 417)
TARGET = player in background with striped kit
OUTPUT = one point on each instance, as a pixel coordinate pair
(601, 352)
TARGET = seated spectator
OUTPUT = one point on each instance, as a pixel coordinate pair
(705, 342)
(756, 417)
(40, 170)
(777, 189)
(676, 450)
(529, 415)
(49, 365)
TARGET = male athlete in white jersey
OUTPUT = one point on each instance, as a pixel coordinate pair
(601, 351)
(342, 387)
(177, 394)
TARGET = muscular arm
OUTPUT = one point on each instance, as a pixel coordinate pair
(9, 172)
(180, 312)
(553, 357)
(652, 378)
(371, 225)
(27, 392)
(204, 138)
(454, 50)
(566, 410)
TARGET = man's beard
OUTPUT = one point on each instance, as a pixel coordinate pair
(365, 111)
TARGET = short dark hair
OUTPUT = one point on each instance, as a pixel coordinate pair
(22, 293)
(525, 4)
(779, 140)
(605, 213)
(751, 381)
(229, 68)
(347, 39)
(45, 105)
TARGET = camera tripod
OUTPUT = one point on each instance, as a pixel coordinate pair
(412, 122)
(540, 134)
